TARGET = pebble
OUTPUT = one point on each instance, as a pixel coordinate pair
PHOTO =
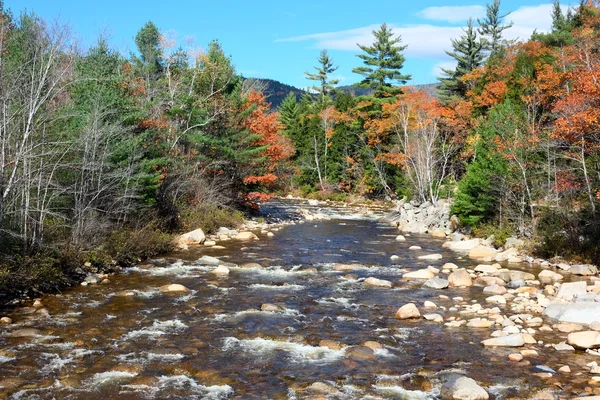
(515, 357)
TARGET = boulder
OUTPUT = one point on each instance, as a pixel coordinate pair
(400, 238)
(515, 340)
(482, 252)
(408, 311)
(548, 275)
(463, 245)
(247, 235)
(579, 313)
(584, 270)
(419, 274)
(221, 270)
(460, 277)
(270, 307)
(486, 269)
(570, 290)
(494, 289)
(431, 257)
(194, 237)
(584, 340)
(436, 283)
(173, 288)
(463, 388)
(378, 282)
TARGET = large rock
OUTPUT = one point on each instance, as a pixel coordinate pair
(570, 290)
(408, 311)
(247, 235)
(463, 245)
(221, 270)
(431, 257)
(487, 269)
(460, 277)
(436, 283)
(494, 289)
(378, 282)
(194, 237)
(359, 353)
(482, 252)
(548, 275)
(584, 270)
(419, 274)
(579, 313)
(584, 340)
(463, 388)
(516, 340)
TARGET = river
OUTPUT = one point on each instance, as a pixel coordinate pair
(128, 340)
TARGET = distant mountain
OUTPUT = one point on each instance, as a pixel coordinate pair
(275, 91)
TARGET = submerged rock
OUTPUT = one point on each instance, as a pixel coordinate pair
(378, 282)
(174, 287)
(359, 353)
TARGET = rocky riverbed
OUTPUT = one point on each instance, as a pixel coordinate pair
(339, 305)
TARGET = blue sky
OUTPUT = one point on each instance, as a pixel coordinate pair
(282, 39)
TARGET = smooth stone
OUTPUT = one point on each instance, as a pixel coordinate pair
(434, 317)
(480, 323)
(584, 339)
(270, 307)
(516, 340)
(414, 248)
(482, 252)
(495, 289)
(359, 353)
(580, 313)
(251, 265)
(436, 283)
(550, 275)
(496, 299)
(570, 290)
(431, 257)
(6, 320)
(221, 270)
(419, 274)
(487, 269)
(463, 388)
(400, 238)
(565, 369)
(210, 243)
(449, 266)
(394, 258)
(174, 287)
(429, 304)
(460, 277)
(322, 388)
(247, 235)
(408, 311)
(194, 237)
(378, 282)
(515, 357)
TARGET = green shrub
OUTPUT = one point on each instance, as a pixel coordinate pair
(128, 247)
(209, 218)
(500, 233)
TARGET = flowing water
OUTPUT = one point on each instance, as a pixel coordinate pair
(128, 340)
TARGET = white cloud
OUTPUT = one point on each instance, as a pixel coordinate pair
(452, 14)
(428, 40)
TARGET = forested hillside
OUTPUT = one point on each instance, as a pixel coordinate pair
(104, 155)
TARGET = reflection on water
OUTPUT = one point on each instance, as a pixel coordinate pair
(128, 340)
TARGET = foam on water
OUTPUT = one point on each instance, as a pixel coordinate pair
(158, 328)
(398, 392)
(288, 312)
(298, 352)
(4, 359)
(179, 383)
(103, 378)
(340, 301)
(261, 286)
(53, 362)
(177, 268)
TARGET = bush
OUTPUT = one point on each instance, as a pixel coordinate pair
(500, 233)
(128, 247)
(209, 218)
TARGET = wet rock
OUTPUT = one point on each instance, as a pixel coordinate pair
(331, 344)
(463, 388)
(460, 278)
(359, 353)
(373, 345)
(496, 299)
(584, 270)
(270, 234)
(400, 238)
(419, 274)
(487, 269)
(251, 265)
(346, 267)
(414, 248)
(394, 258)
(431, 257)
(434, 317)
(208, 260)
(26, 332)
(450, 266)
(438, 233)
(568, 327)
(565, 369)
(515, 357)
(221, 270)
(480, 323)
(488, 281)
(584, 340)
(494, 289)
(378, 282)
(436, 283)
(270, 307)
(6, 320)
(516, 340)
(322, 388)
(482, 252)
(210, 243)
(174, 288)
(429, 304)
(408, 311)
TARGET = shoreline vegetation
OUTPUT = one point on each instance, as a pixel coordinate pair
(105, 158)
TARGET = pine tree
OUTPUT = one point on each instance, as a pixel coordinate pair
(468, 52)
(147, 41)
(492, 27)
(325, 68)
(383, 61)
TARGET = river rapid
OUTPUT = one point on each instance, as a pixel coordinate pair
(128, 340)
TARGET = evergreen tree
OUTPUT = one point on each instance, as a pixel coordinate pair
(324, 69)
(468, 52)
(563, 25)
(147, 41)
(383, 61)
(289, 116)
(492, 26)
